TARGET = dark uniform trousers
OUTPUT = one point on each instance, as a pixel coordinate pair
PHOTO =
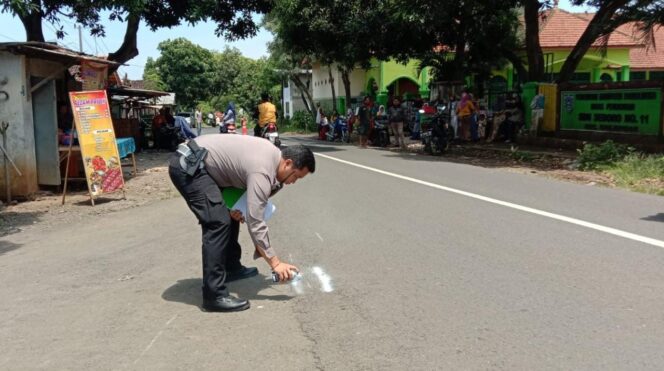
(221, 249)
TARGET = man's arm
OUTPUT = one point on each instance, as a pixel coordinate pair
(258, 191)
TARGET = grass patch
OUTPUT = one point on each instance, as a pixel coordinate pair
(521, 156)
(639, 172)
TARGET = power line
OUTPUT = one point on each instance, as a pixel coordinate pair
(104, 44)
(8, 38)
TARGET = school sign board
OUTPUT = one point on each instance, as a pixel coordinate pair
(635, 111)
(96, 138)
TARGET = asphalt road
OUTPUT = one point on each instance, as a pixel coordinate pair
(427, 265)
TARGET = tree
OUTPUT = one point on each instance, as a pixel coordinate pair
(531, 15)
(185, 68)
(210, 79)
(455, 38)
(151, 76)
(289, 68)
(233, 17)
(610, 15)
(339, 33)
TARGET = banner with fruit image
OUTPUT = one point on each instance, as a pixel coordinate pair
(96, 138)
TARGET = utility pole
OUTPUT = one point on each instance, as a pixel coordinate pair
(80, 38)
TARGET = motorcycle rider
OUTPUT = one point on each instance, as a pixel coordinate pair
(266, 113)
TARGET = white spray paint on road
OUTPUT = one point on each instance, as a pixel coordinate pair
(325, 280)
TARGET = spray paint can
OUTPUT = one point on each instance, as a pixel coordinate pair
(296, 277)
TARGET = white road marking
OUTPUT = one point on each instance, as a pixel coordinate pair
(325, 280)
(319, 237)
(601, 228)
(154, 339)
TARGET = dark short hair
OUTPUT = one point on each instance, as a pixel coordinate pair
(265, 96)
(301, 156)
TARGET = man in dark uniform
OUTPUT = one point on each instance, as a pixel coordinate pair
(210, 162)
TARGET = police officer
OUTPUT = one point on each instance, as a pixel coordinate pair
(210, 162)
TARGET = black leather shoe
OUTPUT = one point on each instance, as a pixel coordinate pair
(241, 274)
(225, 304)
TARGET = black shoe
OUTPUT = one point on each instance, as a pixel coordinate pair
(241, 274)
(225, 304)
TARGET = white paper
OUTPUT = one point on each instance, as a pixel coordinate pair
(241, 206)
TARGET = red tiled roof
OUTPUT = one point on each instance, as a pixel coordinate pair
(562, 29)
(650, 57)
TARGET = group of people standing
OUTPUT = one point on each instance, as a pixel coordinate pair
(469, 119)
(364, 119)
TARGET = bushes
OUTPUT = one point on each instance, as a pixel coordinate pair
(593, 156)
(301, 122)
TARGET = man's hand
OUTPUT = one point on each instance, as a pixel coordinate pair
(237, 216)
(285, 271)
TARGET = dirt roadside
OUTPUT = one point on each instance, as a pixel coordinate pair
(152, 184)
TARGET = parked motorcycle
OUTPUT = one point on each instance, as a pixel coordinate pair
(380, 135)
(271, 133)
(436, 133)
(147, 135)
(339, 130)
(210, 121)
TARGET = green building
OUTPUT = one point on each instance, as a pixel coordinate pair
(381, 81)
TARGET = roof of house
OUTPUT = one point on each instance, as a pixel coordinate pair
(562, 29)
(650, 57)
(51, 52)
(137, 84)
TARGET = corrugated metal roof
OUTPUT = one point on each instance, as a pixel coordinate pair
(51, 52)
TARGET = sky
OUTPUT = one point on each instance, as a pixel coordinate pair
(201, 34)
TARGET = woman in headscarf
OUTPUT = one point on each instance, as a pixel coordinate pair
(465, 110)
(381, 118)
(229, 119)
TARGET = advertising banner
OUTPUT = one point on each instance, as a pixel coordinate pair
(93, 75)
(99, 150)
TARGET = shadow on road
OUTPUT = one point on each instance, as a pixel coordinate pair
(12, 221)
(655, 218)
(188, 291)
(6, 247)
(100, 200)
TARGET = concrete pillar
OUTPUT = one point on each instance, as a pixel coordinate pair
(625, 73)
(424, 83)
(597, 72)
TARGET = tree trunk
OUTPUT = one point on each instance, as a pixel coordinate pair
(459, 55)
(32, 22)
(516, 63)
(533, 47)
(334, 93)
(128, 49)
(345, 76)
(596, 28)
(306, 96)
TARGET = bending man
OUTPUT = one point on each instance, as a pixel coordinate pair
(210, 162)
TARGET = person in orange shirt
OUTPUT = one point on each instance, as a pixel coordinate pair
(465, 110)
(267, 113)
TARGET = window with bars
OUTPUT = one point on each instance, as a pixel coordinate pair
(657, 75)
